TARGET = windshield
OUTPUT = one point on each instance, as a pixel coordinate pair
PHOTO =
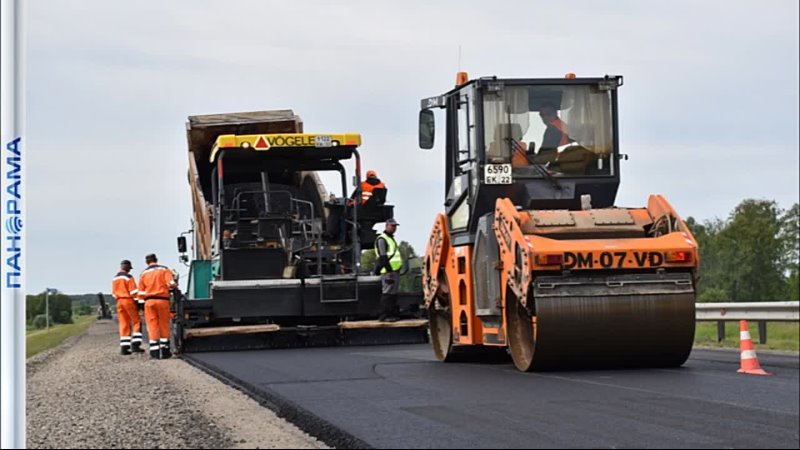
(566, 130)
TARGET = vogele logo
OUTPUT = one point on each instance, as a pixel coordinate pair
(13, 212)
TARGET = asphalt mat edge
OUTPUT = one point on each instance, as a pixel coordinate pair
(303, 419)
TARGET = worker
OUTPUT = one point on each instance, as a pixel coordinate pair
(155, 284)
(389, 263)
(123, 288)
(371, 183)
(556, 133)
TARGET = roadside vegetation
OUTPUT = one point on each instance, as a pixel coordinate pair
(752, 256)
(70, 315)
(780, 335)
(38, 341)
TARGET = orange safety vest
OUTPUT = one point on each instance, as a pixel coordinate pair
(155, 283)
(519, 158)
(366, 190)
(562, 127)
(123, 286)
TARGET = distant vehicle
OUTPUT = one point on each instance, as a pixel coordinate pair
(103, 311)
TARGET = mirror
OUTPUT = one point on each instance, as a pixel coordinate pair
(427, 129)
(182, 244)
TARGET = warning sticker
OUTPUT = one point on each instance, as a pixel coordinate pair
(261, 144)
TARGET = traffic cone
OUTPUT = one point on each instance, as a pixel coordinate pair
(750, 363)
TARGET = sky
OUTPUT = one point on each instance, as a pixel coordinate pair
(708, 112)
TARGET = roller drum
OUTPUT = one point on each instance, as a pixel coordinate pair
(639, 321)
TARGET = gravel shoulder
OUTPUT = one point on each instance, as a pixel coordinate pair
(83, 394)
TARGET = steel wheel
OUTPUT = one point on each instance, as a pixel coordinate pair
(441, 328)
(521, 340)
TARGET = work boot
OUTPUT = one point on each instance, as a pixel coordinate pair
(155, 350)
(125, 351)
(137, 348)
(165, 351)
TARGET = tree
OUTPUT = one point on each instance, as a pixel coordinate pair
(39, 321)
(752, 252)
(59, 302)
(750, 256)
(712, 271)
(790, 237)
(713, 294)
(83, 310)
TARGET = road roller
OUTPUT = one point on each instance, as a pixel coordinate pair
(530, 256)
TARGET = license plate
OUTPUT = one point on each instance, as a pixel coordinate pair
(322, 141)
(497, 174)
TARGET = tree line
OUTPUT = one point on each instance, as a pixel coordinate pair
(752, 255)
(63, 307)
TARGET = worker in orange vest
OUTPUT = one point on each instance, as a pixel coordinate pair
(556, 133)
(123, 288)
(155, 284)
(367, 186)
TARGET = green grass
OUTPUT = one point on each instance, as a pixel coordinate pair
(780, 335)
(40, 340)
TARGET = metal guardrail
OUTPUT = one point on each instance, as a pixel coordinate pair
(762, 312)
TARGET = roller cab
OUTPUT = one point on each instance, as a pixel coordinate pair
(531, 254)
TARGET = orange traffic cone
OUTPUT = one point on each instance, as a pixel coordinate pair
(750, 363)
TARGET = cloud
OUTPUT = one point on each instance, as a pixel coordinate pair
(110, 87)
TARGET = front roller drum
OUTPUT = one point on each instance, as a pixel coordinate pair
(585, 331)
(440, 323)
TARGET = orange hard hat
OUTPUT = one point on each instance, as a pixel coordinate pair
(372, 174)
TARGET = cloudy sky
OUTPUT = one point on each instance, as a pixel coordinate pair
(708, 112)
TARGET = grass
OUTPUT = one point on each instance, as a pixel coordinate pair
(780, 335)
(40, 340)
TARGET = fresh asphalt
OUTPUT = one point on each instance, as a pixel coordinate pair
(400, 396)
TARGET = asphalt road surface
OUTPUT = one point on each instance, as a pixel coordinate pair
(399, 396)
